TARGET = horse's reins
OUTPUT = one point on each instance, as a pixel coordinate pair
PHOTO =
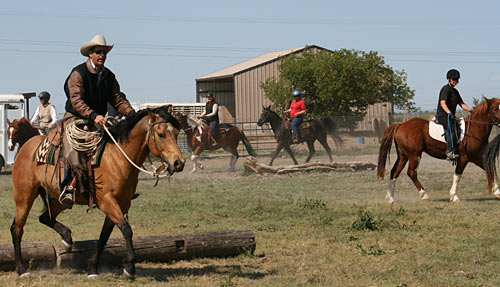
(158, 170)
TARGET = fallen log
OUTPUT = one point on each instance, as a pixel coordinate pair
(160, 248)
(252, 165)
(147, 249)
(36, 255)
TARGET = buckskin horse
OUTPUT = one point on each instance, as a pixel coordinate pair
(310, 131)
(412, 137)
(19, 132)
(148, 131)
(198, 141)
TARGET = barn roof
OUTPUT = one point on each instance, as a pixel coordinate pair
(254, 62)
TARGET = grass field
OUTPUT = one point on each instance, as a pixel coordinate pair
(316, 229)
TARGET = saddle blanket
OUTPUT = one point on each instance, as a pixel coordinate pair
(48, 153)
(223, 128)
(436, 131)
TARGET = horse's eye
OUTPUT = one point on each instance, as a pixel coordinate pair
(161, 135)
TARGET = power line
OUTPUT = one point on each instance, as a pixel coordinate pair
(398, 22)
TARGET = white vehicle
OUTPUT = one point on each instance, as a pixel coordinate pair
(12, 107)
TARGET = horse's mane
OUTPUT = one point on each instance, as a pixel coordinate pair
(121, 131)
(482, 108)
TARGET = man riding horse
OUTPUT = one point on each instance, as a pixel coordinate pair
(89, 88)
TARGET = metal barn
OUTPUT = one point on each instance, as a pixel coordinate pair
(240, 97)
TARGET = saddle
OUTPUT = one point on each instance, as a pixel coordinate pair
(303, 125)
(437, 132)
(49, 152)
(221, 128)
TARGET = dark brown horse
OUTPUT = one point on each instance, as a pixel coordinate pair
(19, 132)
(317, 130)
(116, 181)
(198, 141)
(412, 138)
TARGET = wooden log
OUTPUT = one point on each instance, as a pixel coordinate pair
(252, 165)
(160, 248)
(36, 255)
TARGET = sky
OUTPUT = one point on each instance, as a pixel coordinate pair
(161, 47)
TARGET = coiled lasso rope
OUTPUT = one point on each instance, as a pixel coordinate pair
(82, 140)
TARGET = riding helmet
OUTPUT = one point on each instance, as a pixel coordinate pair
(453, 74)
(44, 95)
(297, 93)
(210, 95)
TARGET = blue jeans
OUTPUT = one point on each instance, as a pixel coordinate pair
(213, 129)
(295, 126)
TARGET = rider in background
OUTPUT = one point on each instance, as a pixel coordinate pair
(45, 113)
(449, 98)
(297, 110)
(211, 116)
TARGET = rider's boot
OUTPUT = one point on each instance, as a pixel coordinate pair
(67, 189)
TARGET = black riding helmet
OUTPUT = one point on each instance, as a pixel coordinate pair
(44, 95)
(453, 74)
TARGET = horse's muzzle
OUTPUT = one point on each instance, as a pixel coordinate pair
(176, 166)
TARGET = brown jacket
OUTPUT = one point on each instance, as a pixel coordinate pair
(76, 91)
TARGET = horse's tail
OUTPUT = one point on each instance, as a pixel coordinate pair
(247, 144)
(490, 159)
(332, 131)
(385, 149)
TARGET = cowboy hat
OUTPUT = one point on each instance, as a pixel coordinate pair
(98, 40)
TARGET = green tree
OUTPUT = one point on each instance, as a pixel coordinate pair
(340, 83)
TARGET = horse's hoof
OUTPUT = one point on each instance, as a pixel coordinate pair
(25, 275)
(497, 195)
(391, 200)
(200, 166)
(67, 246)
(455, 199)
(93, 276)
(425, 197)
(127, 275)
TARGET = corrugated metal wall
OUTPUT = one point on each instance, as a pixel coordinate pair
(223, 90)
(382, 111)
(249, 96)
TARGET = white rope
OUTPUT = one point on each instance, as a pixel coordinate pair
(153, 174)
(81, 140)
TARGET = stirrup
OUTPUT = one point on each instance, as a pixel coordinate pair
(66, 197)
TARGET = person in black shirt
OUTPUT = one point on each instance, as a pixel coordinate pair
(211, 116)
(449, 98)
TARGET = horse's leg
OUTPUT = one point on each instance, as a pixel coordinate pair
(114, 216)
(290, 152)
(24, 201)
(412, 173)
(194, 158)
(310, 146)
(325, 145)
(276, 152)
(106, 230)
(456, 179)
(395, 171)
(50, 221)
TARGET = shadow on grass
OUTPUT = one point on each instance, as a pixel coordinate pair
(482, 199)
(163, 274)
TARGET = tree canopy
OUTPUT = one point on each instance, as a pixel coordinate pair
(338, 83)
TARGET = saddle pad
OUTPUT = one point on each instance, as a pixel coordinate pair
(48, 153)
(436, 131)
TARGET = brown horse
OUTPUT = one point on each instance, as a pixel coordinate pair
(115, 182)
(318, 130)
(19, 132)
(412, 138)
(198, 141)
